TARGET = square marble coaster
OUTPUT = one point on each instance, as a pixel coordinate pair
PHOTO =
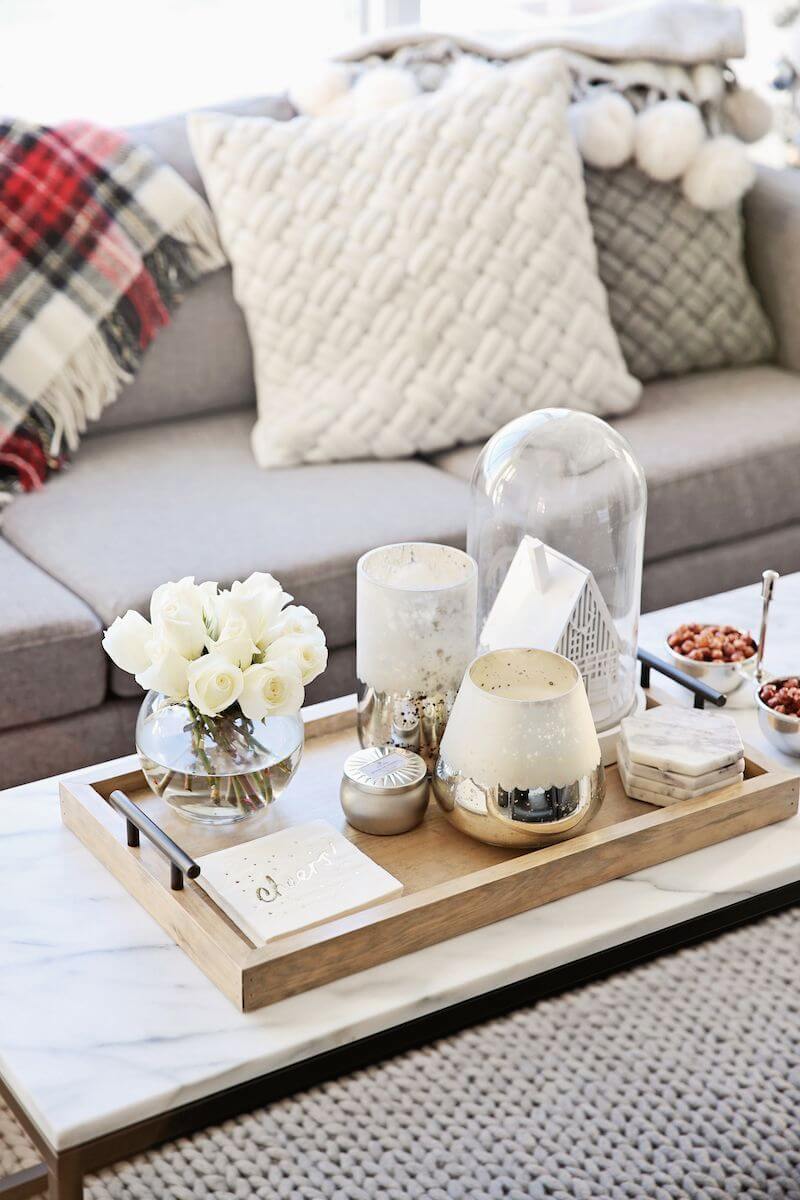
(688, 740)
(664, 793)
(293, 879)
(647, 776)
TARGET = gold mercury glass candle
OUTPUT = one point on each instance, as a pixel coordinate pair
(519, 763)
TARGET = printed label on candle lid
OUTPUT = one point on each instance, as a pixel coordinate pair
(384, 766)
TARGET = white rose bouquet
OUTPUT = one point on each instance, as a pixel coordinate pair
(231, 657)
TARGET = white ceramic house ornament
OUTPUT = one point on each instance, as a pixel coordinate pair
(550, 602)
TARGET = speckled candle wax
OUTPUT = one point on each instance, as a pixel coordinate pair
(415, 618)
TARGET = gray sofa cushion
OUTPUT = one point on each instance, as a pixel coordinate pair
(143, 506)
(51, 661)
(202, 361)
(720, 451)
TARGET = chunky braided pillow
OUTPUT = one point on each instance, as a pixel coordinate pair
(417, 277)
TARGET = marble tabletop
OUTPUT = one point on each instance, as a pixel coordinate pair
(105, 1021)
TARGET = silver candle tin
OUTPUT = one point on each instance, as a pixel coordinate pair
(384, 789)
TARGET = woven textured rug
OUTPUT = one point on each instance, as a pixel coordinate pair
(677, 1080)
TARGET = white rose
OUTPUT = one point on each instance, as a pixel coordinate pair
(295, 621)
(234, 642)
(125, 642)
(167, 672)
(259, 600)
(228, 634)
(272, 689)
(309, 652)
(214, 683)
(176, 610)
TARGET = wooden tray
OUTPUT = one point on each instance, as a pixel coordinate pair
(452, 884)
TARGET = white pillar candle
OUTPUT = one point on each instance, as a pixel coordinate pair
(521, 720)
(415, 618)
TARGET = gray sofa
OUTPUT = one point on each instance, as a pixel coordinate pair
(165, 485)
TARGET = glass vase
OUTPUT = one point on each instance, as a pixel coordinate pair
(215, 770)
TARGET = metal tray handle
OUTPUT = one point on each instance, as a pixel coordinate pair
(138, 822)
(702, 691)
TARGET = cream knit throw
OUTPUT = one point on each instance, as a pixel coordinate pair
(417, 277)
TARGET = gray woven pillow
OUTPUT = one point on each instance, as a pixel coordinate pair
(678, 290)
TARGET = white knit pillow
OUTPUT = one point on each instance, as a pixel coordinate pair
(417, 277)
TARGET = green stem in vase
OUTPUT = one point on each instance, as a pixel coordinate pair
(201, 724)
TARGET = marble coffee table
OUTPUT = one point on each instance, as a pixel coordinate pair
(112, 1040)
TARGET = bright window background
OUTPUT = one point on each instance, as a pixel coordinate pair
(123, 61)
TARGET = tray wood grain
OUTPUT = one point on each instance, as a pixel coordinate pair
(451, 883)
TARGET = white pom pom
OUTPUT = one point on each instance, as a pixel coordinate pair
(720, 174)
(668, 136)
(749, 114)
(320, 89)
(708, 83)
(604, 128)
(383, 87)
(466, 71)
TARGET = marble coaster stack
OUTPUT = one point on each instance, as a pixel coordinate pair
(669, 754)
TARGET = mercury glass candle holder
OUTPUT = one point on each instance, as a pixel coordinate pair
(415, 636)
(519, 763)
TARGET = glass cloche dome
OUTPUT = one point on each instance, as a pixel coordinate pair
(556, 525)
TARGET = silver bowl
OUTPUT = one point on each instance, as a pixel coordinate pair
(726, 677)
(779, 728)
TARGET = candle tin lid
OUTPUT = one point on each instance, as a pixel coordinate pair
(385, 770)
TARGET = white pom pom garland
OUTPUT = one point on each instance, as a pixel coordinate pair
(466, 71)
(320, 90)
(667, 139)
(603, 127)
(709, 83)
(668, 136)
(748, 114)
(382, 88)
(720, 174)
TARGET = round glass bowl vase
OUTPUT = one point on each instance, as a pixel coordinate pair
(415, 637)
(215, 770)
(520, 761)
(556, 525)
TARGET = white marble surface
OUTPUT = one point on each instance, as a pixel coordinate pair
(104, 1021)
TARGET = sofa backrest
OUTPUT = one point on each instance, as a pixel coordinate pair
(202, 362)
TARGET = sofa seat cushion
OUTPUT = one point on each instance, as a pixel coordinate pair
(720, 451)
(186, 498)
(51, 660)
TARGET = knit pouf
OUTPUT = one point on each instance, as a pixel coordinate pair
(676, 1080)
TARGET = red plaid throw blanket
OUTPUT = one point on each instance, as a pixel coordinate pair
(97, 241)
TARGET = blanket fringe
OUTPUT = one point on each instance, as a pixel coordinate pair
(89, 382)
(198, 233)
(110, 356)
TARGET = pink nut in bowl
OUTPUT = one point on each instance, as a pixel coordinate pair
(721, 655)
